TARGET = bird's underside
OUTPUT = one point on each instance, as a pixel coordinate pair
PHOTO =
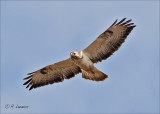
(102, 48)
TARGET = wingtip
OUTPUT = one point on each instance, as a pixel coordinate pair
(31, 87)
(130, 19)
(127, 23)
(120, 22)
(27, 77)
(124, 18)
(27, 86)
(30, 73)
(133, 26)
(114, 22)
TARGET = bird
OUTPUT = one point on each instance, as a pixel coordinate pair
(83, 61)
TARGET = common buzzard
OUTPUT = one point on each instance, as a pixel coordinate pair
(102, 48)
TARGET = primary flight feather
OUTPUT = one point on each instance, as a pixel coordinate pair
(102, 48)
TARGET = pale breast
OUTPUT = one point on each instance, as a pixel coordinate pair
(84, 63)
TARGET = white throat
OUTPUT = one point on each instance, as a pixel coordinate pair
(81, 54)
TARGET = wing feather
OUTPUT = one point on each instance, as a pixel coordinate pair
(109, 41)
(52, 74)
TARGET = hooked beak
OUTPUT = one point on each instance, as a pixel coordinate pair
(72, 53)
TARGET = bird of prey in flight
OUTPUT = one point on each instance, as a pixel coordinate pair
(83, 62)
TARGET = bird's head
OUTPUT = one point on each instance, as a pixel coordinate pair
(76, 55)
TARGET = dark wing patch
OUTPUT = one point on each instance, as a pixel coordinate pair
(52, 74)
(109, 41)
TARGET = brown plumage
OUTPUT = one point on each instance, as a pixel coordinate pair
(102, 48)
(109, 41)
(52, 74)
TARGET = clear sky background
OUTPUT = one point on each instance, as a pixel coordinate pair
(35, 34)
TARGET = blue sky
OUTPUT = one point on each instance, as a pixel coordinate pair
(35, 34)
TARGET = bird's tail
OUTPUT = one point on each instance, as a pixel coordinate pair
(95, 75)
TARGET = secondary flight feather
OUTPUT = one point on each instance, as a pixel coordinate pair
(83, 62)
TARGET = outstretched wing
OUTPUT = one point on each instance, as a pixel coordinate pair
(51, 74)
(109, 41)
